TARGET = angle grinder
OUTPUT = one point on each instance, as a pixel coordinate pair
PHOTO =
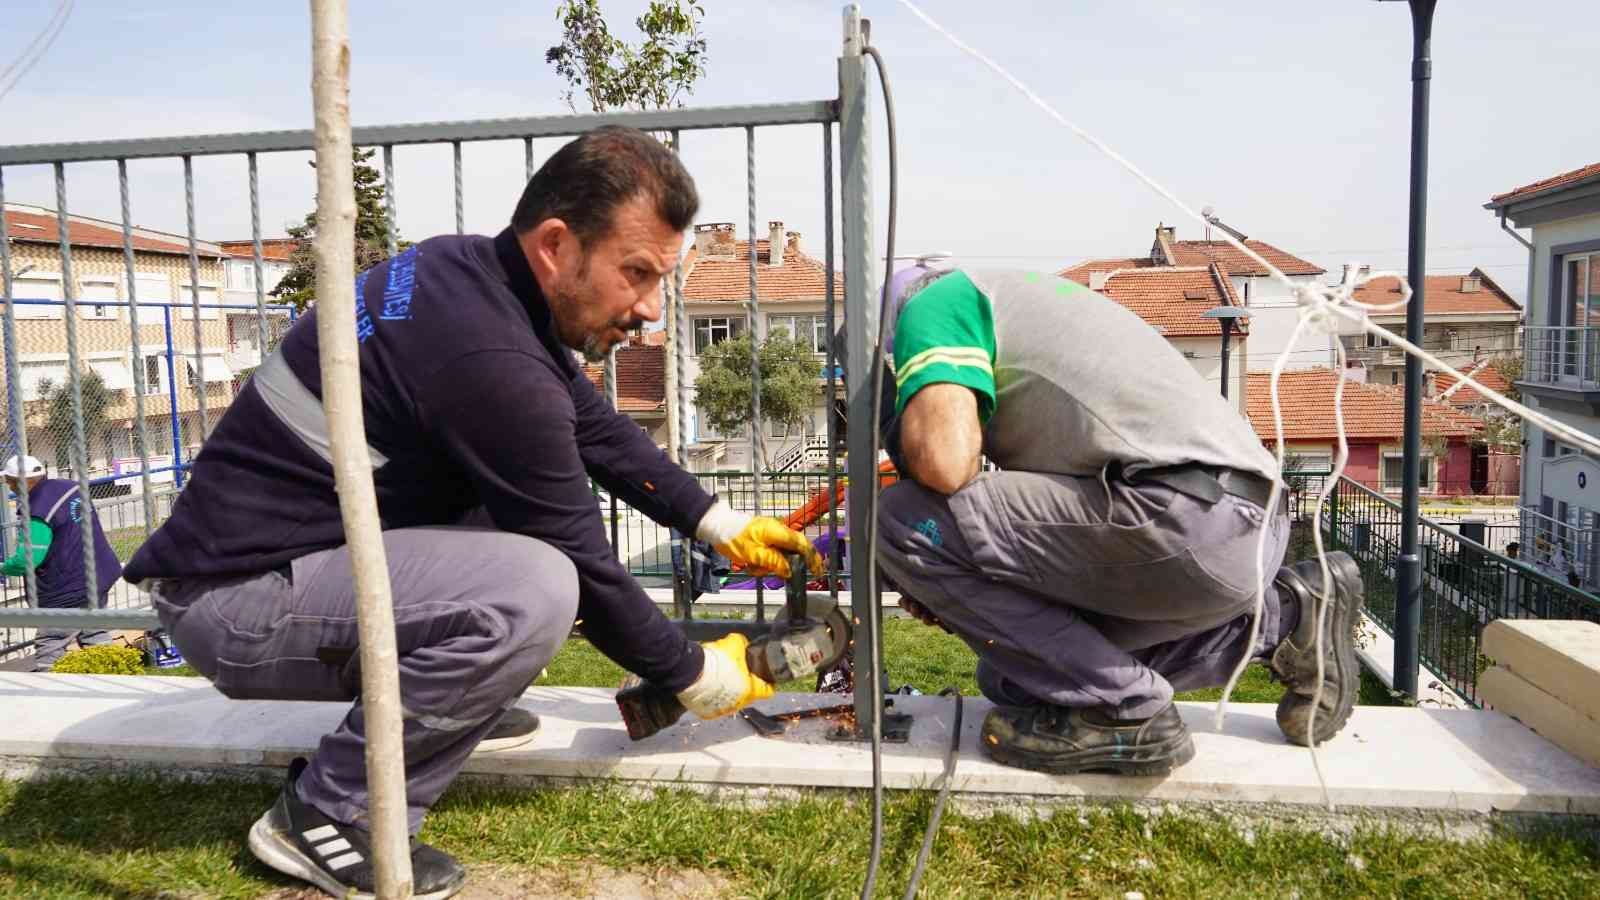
(811, 633)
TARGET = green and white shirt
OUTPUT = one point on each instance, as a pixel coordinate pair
(1067, 380)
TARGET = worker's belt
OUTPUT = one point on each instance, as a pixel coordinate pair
(1208, 483)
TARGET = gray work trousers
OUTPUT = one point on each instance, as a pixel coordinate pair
(1086, 591)
(478, 613)
(50, 645)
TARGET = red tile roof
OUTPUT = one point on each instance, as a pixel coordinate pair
(41, 229)
(1202, 253)
(1488, 375)
(1554, 181)
(276, 249)
(1080, 272)
(1371, 411)
(641, 378)
(1172, 299)
(1199, 253)
(725, 276)
(1443, 296)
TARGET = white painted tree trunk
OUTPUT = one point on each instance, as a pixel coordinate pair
(352, 464)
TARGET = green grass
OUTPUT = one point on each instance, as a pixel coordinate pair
(125, 541)
(142, 837)
(925, 658)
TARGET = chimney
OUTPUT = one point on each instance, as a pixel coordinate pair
(1161, 252)
(1470, 284)
(791, 246)
(1097, 280)
(775, 245)
(714, 239)
(703, 236)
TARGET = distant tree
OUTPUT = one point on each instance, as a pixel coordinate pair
(789, 371)
(612, 74)
(97, 400)
(299, 285)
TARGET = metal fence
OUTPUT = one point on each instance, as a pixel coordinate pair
(157, 394)
(1465, 584)
(1562, 355)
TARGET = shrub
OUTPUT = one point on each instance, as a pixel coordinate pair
(102, 660)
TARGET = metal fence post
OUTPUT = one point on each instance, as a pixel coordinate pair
(172, 398)
(16, 403)
(861, 324)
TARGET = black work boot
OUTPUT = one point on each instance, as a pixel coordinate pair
(1064, 741)
(1295, 660)
(514, 729)
(298, 840)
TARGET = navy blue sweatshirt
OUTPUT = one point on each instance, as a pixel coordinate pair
(472, 401)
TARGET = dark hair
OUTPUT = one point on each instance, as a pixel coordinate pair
(585, 181)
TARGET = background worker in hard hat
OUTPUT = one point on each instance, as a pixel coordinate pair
(58, 513)
(1111, 559)
(483, 434)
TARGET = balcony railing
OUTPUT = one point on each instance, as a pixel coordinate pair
(1562, 356)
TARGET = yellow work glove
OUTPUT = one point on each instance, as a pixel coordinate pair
(753, 544)
(725, 683)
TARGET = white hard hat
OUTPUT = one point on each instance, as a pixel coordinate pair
(23, 467)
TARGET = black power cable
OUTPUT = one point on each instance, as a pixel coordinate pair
(948, 778)
(874, 611)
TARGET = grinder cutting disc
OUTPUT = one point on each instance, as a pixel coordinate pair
(810, 650)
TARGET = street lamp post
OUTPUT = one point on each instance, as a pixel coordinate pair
(1408, 597)
(1227, 315)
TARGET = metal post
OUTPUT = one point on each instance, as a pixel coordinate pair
(527, 159)
(141, 429)
(341, 398)
(1227, 335)
(1408, 602)
(391, 238)
(14, 399)
(172, 398)
(257, 266)
(461, 219)
(200, 384)
(80, 441)
(754, 310)
(678, 417)
(831, 394)
(861, 285)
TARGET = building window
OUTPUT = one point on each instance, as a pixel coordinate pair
(99, 288)
(1375, 341)
(712, 330)
(152, 374)
(1393, 464)
(210, 298)
(1394, 377)
(37, 376)
(813, 329)
(1308, 462)
(37, 286)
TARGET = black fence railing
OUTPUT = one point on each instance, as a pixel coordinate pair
(1465, 584)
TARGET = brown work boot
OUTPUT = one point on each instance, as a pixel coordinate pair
(1294, 661)
(1064, 741)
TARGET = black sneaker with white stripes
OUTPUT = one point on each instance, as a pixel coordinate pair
(298, 840)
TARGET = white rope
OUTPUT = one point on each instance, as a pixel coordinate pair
(1323, 307)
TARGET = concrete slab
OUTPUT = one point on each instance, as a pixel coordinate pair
(1559, 657)
(1446, 761)
(1542, 711)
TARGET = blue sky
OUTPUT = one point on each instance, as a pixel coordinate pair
(1291, 119)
